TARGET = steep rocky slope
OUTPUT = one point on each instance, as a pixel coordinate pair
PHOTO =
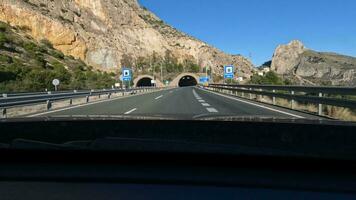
(109, 33)
(30, 65)
(306, 66)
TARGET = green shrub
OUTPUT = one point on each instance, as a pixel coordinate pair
(3, 27)
(270, 78)
(47, 43)
(58, 54)
(30, 47)
(3, 39)
(5, 59)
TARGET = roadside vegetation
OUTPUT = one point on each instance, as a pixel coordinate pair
(270, 78)
(29, 65)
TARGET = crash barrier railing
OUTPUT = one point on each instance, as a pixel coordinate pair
(333, 96)
(26, 99)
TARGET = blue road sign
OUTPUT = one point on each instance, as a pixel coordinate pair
(229, 72)
(204, 79)
(126, 74)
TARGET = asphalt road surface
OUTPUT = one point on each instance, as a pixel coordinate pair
(185, 103)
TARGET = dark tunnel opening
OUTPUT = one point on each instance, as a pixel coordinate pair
(144, 82)
(187, 81)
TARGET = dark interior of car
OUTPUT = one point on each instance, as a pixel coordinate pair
(148, 159)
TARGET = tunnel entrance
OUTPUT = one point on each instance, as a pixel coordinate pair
(187, 81)
(144, 82)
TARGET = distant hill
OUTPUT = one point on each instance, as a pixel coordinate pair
(305, 66)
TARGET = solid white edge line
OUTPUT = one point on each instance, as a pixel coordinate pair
(130, 111)
(261, 106)
(87, 104)
(205, 104)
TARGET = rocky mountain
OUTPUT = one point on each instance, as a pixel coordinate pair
(107, 34)
(309, 67)
(30, 65)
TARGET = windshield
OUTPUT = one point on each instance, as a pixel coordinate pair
(275, 61)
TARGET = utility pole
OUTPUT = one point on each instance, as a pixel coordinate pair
(161, 72)
(153, 71)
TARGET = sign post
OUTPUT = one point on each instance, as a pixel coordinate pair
(55, 82)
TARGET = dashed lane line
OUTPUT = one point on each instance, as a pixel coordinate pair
(254, 104)
(159, 97)
(212, 110)
(130, 111)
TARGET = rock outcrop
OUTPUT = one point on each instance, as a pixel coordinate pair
(308, 66)
(102, 32)
(286, 57)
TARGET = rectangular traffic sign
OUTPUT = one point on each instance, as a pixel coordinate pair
(126, 74)
(229, 72)
(204, 79)
(126, 78)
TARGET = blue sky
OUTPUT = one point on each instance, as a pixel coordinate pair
(255, 27)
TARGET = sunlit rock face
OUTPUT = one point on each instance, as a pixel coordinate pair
(103, 32)
(308, 66)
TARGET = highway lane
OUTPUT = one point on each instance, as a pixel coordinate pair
(186, 103)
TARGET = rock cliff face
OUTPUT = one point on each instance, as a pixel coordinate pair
(102, 32)
(286, 57)
(311, 67)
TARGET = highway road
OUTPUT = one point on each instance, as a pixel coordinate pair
(184, 103)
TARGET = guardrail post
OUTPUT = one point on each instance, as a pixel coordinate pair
(274, 98)
(292, 102)
(109, 96)
(4, 113)
(260, 97)
(48, 105)
(320, 109)
(87, 99)
(243, 94)
(70, 102)
(250, 93)
(99, 96)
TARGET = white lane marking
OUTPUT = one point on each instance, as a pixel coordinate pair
(261, 106)
(212, 110)
(159, 97)
(201, 101)
(205, 104)
(130, 111)
(87, 104)
(196, 94)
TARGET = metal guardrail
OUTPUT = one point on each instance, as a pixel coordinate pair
(26, 99)
(18, 94)
(306, 94)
